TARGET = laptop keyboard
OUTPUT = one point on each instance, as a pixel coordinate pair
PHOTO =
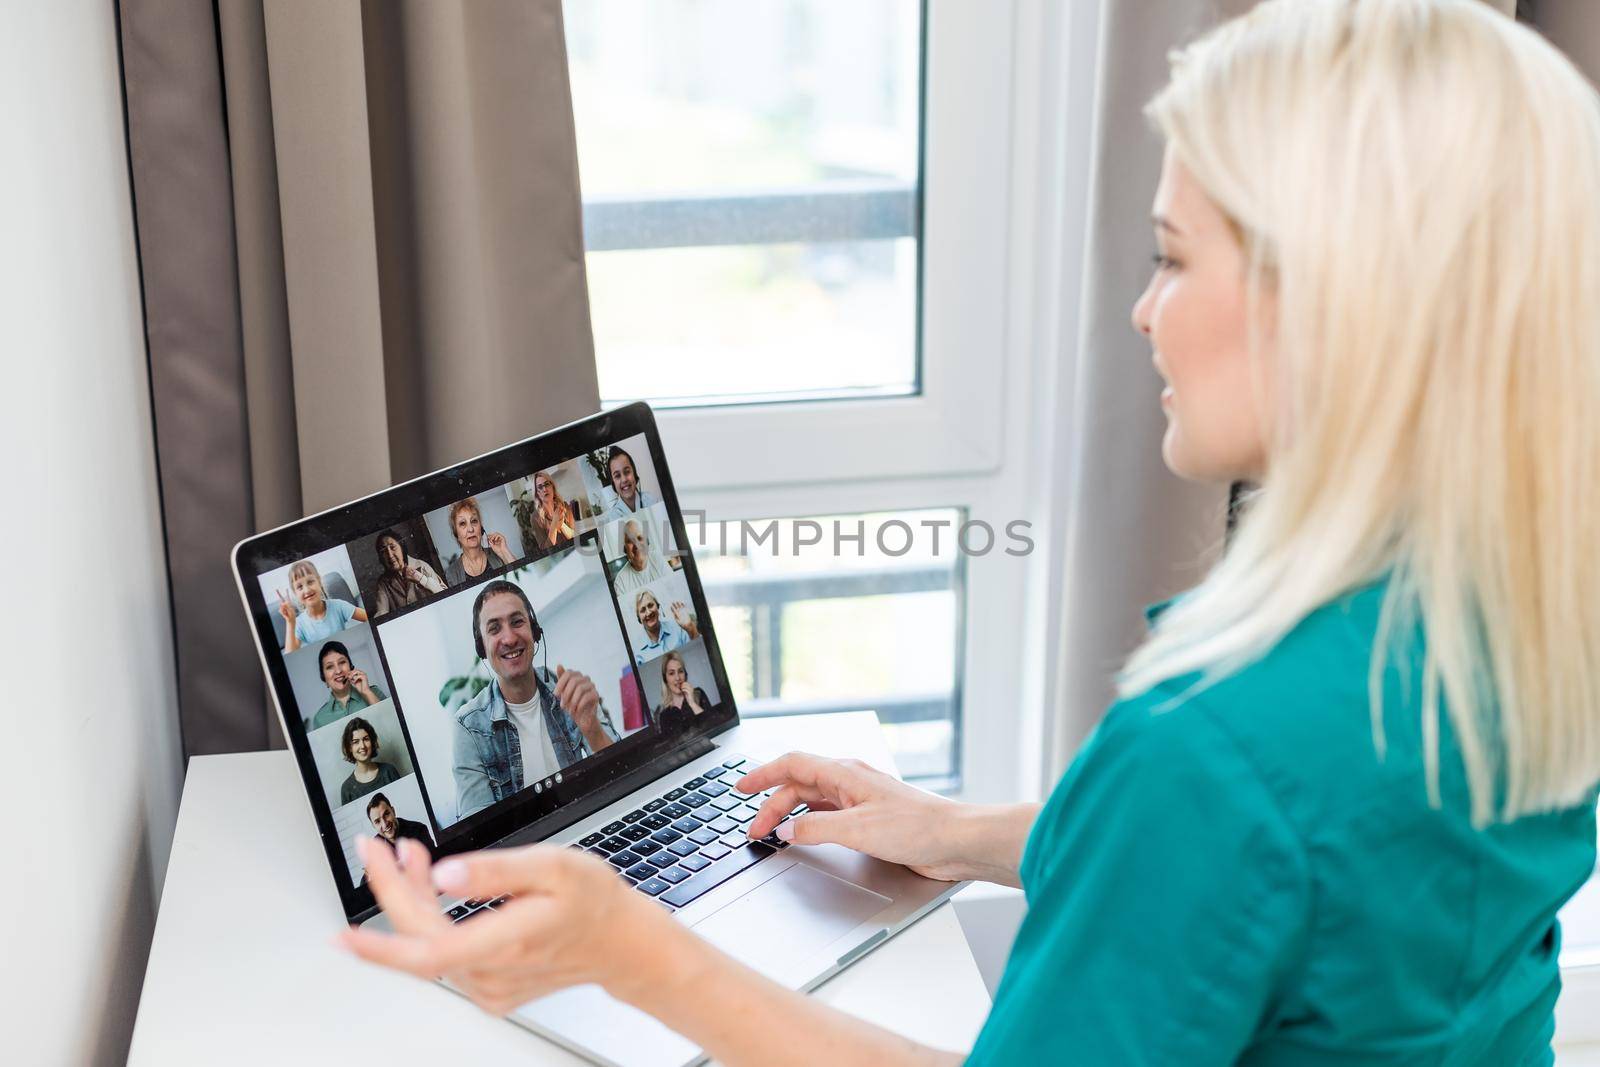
(681, 845)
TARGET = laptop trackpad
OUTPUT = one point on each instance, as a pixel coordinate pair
(779, 924)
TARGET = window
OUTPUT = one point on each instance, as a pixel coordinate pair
(751, 196)
(839, 613)
(796, 216)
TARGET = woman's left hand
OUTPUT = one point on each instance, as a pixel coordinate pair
(570, 921)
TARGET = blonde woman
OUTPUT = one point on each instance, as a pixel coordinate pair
(553, 524)
(680, 700)
(480, 551)
(316, 618)
(1352, 774)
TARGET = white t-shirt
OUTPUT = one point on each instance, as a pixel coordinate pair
(538, 754)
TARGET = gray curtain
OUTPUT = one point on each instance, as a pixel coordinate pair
(360, 237)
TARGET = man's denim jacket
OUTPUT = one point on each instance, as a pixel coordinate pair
(488, 750)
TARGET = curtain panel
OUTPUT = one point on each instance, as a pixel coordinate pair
(360, 240)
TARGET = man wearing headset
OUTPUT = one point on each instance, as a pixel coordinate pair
(527, 723)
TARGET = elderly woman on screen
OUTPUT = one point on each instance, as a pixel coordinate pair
(1351, 776)
(405, 579)
(480, 551)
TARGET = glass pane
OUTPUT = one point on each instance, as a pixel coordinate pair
(702, 95)
(689, 323)
(836, 613)
(1580, 927)
(804, 118)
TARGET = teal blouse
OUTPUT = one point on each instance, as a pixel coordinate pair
(1236, 877)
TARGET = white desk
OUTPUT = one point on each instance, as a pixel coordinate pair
(242, 969)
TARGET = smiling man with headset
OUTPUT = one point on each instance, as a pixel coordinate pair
(527, 723)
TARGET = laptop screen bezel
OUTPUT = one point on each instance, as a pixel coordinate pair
(365, 517)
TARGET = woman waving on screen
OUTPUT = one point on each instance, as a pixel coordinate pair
(1351, 776)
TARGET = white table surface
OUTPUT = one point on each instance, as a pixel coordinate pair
(242, 968)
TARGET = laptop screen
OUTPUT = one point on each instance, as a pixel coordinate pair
(463, 655)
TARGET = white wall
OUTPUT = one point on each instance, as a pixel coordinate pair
(90, 760)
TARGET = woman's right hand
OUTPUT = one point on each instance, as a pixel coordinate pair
(860, 807)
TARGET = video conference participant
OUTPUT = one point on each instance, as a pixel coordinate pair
(631, 496)
(466, 524)
(642, 563)
(318, 618)
(679, 699)
(405, 579)
(553, 522)
(661, 635)
(390, 828)
(359, 743)
(526, 724)
(348, 688)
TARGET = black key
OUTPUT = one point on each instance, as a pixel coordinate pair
(646, 847)
(633, 816)
(695, 863)
(734, 762)
(474, 913)
(694, 783)
(686, 826)
(707, 880)
(656, 821)
(635, 833)
(694, 800)
(674, 875)
(592, 840)
(623, 860)
(774, 840)
(626, 877)
(666, 837)
(674, 811)
(654, 886)
(457, 912)
(655, 805)
(476, 903)
(703, 836)
(613, 844)
(683, 847)
(598, 852)
(672, 794)
(641, 871)
(713, 789)
(611, 827)
(715, 772)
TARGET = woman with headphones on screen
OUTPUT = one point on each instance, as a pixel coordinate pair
(1351, 778)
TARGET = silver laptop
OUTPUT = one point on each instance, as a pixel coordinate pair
(414, 640)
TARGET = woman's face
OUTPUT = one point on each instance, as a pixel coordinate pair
(336, 672)
(308, 587)
(545, 491)
(1194, 312)
(649, 613)
(394, 557)
(361, 745)
(469, 528)
(676, 676)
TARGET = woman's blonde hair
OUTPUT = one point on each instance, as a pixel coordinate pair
(1416, 184)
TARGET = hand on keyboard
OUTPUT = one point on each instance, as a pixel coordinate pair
(854, 805)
